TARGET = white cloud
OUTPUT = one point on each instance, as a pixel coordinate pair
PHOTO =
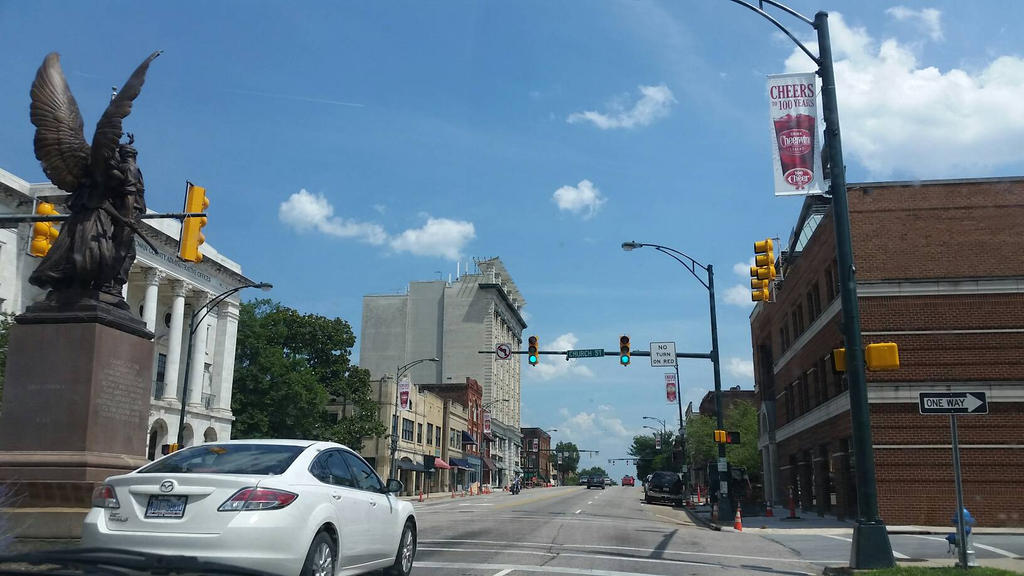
(740, 367)
(584, 426)
(654, 104)
(380, 208)
(551, 367)
(304, 211)
(928, 18)
(900, 116)
(738, 295)
(743, 268)
(438, 237)
(585, 199)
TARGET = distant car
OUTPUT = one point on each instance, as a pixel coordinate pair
(595, 482)
(583, 480)
(280, 506)
(608, 481)
(664, 487)
(628, 481)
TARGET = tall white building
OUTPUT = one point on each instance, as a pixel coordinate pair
(163, 291)
(454, 321)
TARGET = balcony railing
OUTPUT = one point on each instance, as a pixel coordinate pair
(158, 389)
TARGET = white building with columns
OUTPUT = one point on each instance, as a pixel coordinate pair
(163, 291)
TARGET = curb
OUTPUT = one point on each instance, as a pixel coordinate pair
(702, 522)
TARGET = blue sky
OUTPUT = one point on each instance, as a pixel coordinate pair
(349, 148)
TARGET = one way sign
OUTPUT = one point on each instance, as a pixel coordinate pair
(952, 403)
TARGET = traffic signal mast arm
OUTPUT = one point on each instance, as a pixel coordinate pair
(9, 219)
(704, 355)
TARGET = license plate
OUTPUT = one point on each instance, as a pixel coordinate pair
(166, 506)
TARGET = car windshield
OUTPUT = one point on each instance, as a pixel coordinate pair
(258, 459)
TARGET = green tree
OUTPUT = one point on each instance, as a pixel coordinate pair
(700, 440)
(570, 457)
(288, 366)
(650, 458)
(593, 471)
(742, 417)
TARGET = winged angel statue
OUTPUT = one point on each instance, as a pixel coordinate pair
(95, 250)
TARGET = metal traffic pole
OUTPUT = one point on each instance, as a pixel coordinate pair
(961, 530)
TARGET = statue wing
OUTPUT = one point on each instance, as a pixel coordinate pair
(60, 142)
(108, 129)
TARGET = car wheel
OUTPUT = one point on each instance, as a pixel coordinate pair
(321, 556)
(406, 553)
(646, 499)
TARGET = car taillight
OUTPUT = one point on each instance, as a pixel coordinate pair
(252, 498)
(103, 496)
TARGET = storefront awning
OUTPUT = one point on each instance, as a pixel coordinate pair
(488, 463)
(467, 438)
(460, 463)
(439, 463)
(406, 464)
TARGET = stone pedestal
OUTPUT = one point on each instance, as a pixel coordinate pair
(75, 410)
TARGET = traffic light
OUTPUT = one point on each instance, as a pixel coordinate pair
(878, 357)
(763, 271)
(533, 349)
(191, 228)
(657, 443)
(726, 437)
(624, 350)
(44, 234)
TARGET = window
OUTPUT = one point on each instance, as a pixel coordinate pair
(330, 468)
(455, 439)
(805, 396)
(790, 404)
(407, 429)
(161, 367)
(815, 301)
(419, 433)
(256, 459)
(365, 477)
(430, 433)
(813, 385)
(437, 438)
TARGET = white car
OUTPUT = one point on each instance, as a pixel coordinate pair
(288, 507)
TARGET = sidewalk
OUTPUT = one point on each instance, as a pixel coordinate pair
(810, 522)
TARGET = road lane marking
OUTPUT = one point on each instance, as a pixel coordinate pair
(591, 502)
(845, 539)
(576, 555)
(630, 548)
(578, 511)
(504, 572)
(528, 568)
(991, 549)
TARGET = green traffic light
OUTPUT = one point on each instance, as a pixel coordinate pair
(624, 359)
(533, 359)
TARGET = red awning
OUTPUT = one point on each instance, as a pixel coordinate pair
(438, 463)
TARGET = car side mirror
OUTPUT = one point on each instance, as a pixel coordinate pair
(394, 486)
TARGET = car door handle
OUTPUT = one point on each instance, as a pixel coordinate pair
(336, 496)
(373, 503)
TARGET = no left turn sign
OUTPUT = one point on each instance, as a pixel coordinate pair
(503, 351)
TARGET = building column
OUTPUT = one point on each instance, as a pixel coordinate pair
(171, 390)
(196, 371)
(224, 354)
(149, 303)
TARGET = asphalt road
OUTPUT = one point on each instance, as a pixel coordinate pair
(835, 545)
(570, 530)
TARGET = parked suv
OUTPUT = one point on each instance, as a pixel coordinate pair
(664, 486)
(595, 481)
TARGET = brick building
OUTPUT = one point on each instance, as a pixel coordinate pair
(536, 454)
(940, 271)
(475, 446)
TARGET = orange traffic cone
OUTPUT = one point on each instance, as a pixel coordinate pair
(738, 522)
(768, 510)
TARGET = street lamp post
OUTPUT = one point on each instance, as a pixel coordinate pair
(724, 503)
(871, 547)
(193, 325)
(399, 372)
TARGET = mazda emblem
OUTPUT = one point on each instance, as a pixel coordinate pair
(167, 486)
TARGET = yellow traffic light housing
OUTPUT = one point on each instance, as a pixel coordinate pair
(533, 351)
(882, 357)
(763, 271)
(726, 437)
(44, 234)
(719, 436)
(839, 359)
(624, 353)
(191, 227)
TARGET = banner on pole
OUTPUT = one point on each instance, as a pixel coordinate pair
(487, 422)
(796, 146)
(671, 388)
(536, 445)
(404, 398)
